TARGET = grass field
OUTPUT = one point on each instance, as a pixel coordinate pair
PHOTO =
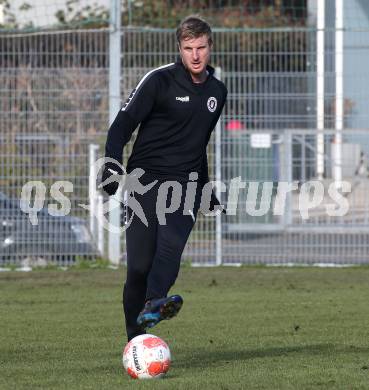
(240, 328)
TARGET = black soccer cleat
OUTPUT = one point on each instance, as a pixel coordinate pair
(159, 309)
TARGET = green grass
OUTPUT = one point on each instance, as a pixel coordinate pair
(240, 328)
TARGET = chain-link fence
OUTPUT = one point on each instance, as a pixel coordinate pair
(54, 104)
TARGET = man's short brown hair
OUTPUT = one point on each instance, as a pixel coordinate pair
(193, 27)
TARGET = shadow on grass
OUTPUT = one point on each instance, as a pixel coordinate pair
(201, 359)
(213, 356)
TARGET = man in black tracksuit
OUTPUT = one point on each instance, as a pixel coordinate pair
(177, 106)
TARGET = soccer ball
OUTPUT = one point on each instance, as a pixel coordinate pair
(146, 357)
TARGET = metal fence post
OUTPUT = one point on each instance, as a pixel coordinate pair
(320, 88)
(339, 100)
(288, 165)
(114, 106)
(100, 228)
(218, 177)
(92, 193)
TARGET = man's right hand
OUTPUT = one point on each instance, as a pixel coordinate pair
(110, 178)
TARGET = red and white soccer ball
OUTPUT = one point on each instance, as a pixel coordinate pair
(146, 357)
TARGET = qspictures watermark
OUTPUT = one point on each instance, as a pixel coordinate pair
(261, 198)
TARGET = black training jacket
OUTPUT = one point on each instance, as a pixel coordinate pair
(176, 118)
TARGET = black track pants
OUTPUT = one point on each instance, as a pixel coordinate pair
(153, 255)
